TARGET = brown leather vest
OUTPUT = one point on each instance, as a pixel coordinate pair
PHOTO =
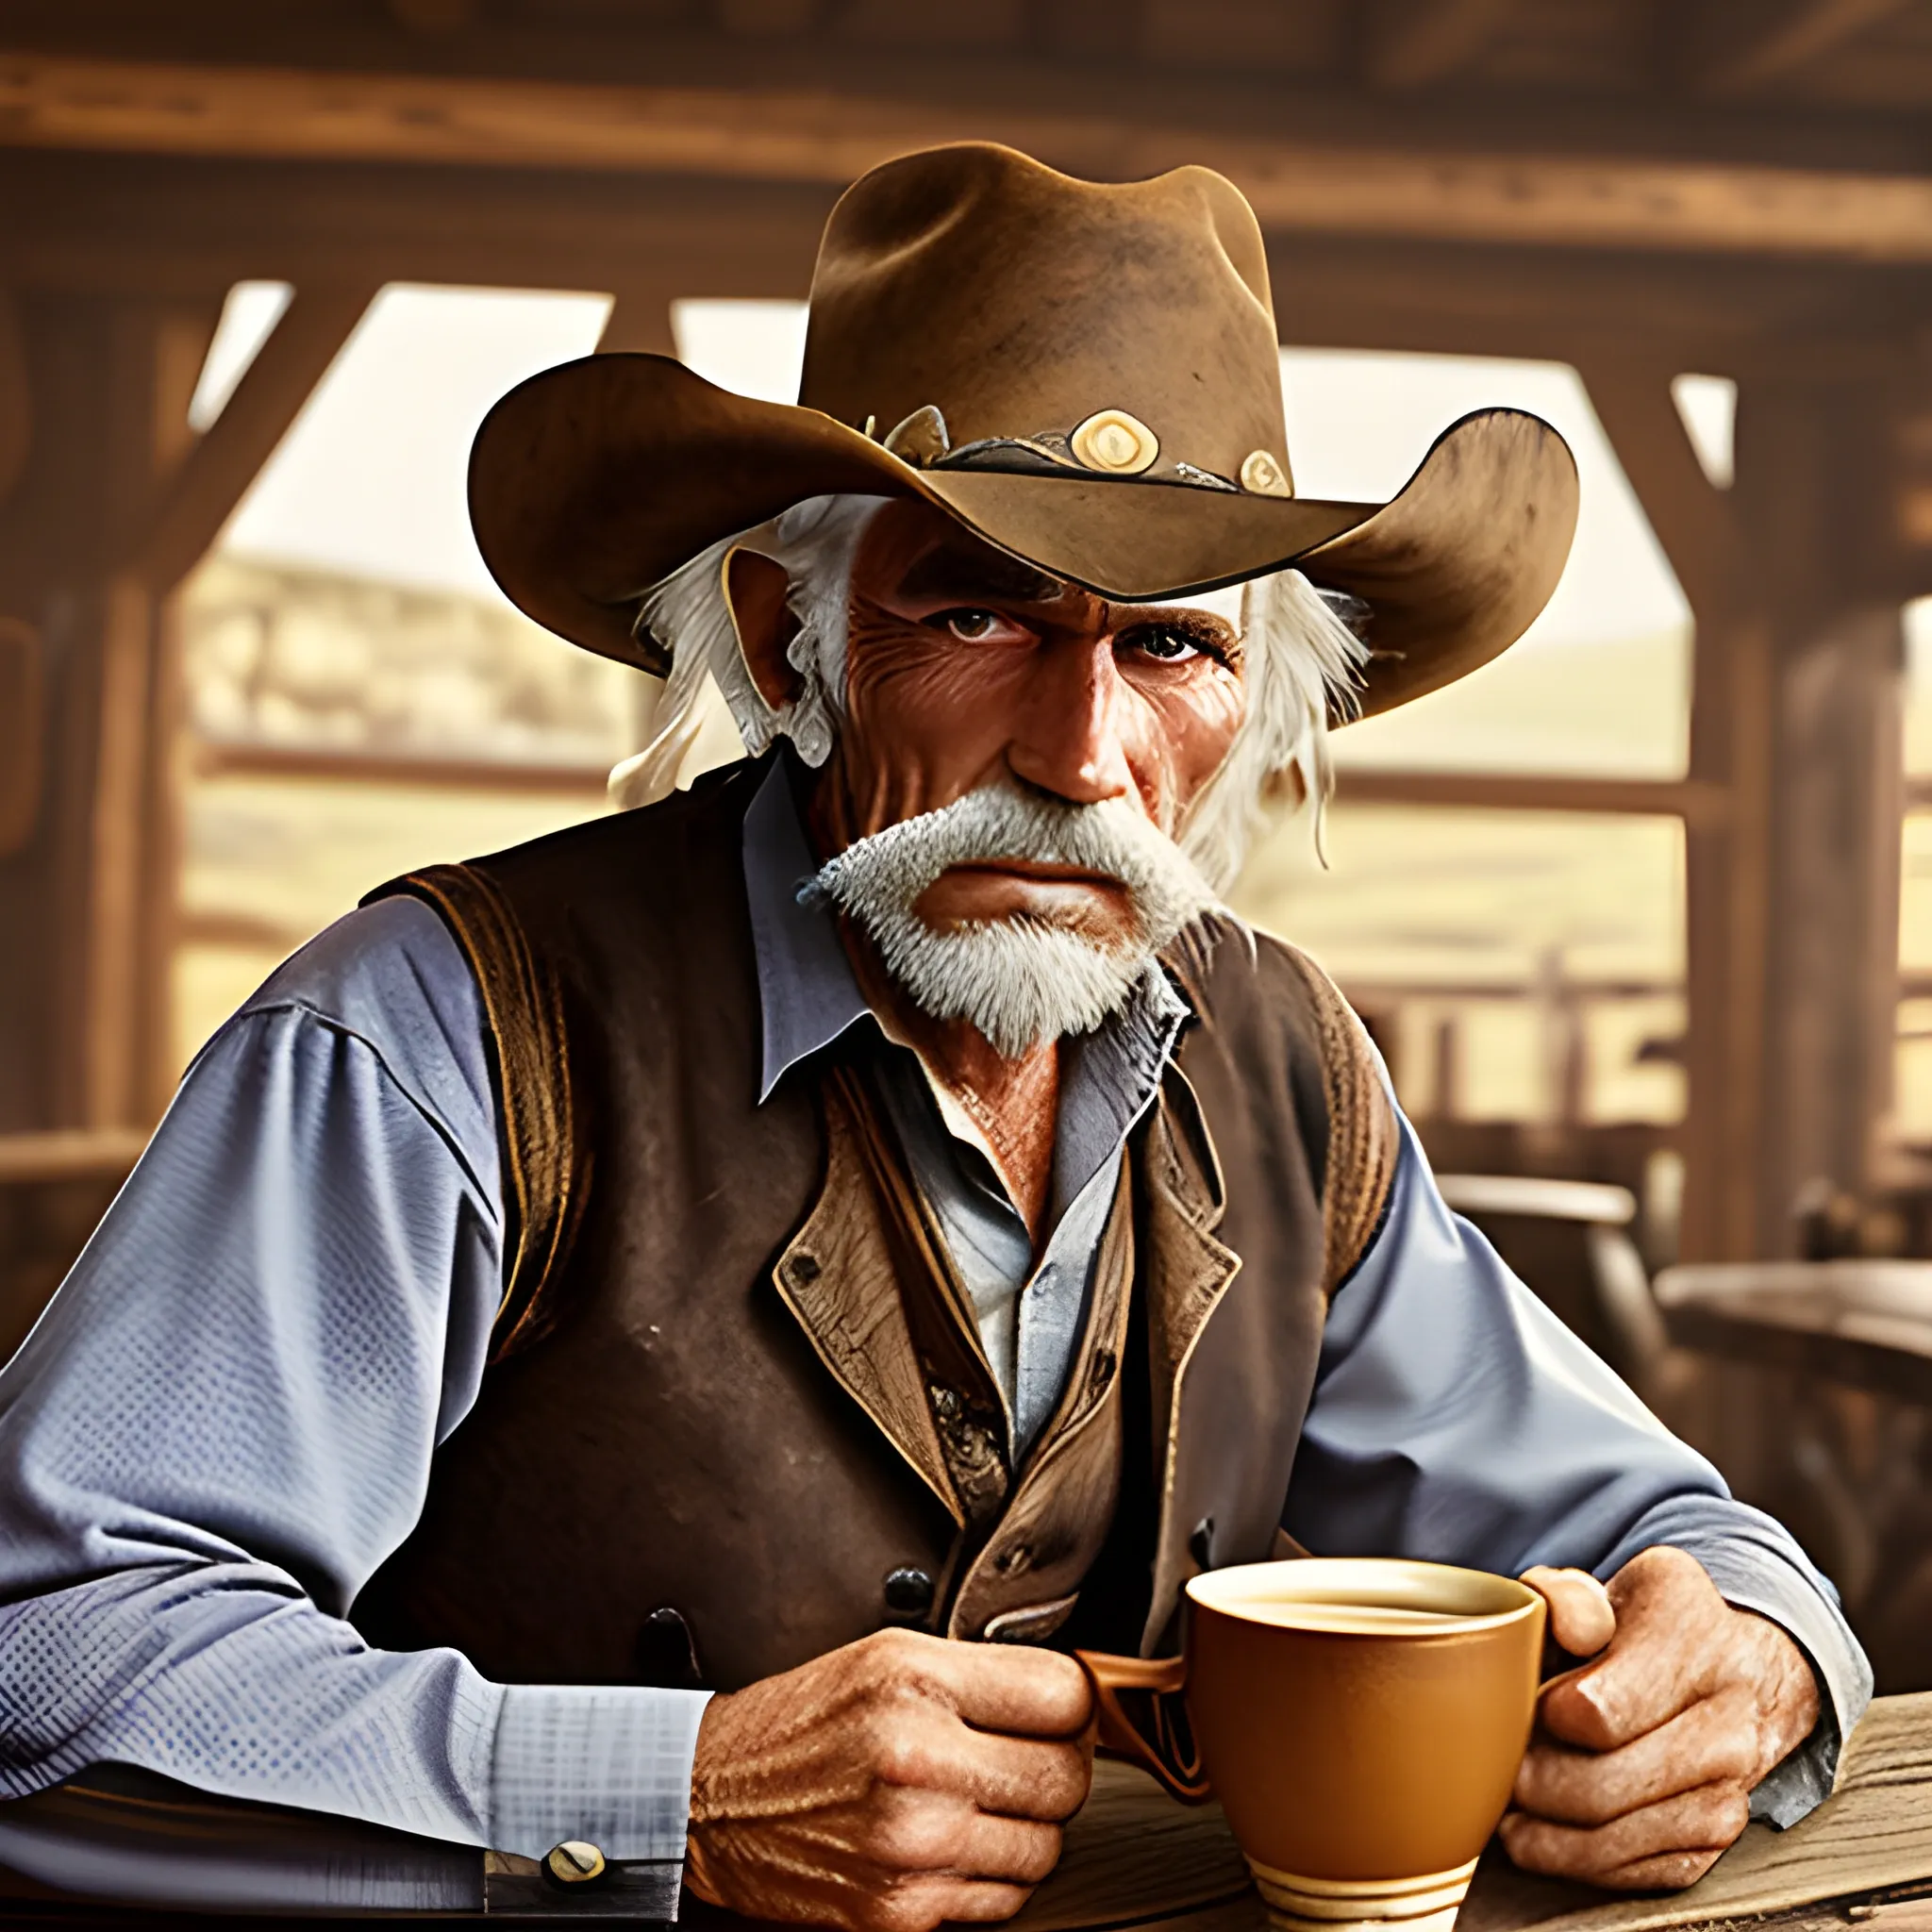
(734, 1375)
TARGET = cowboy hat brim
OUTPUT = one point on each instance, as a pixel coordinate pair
(590, 482)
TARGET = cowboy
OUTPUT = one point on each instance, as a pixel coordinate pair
(845, 1235)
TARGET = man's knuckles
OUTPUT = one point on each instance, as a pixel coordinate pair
(1584, 1709)
(1686, 1831)
(1672, 1872)
(911, 1830)
(1048, 1695)
(1716, 1743)
(903, 1663)
(906, 1745)
(916, 1904)
(924, 1903)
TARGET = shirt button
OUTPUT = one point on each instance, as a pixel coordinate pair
(574, 1862)
(909, 1592)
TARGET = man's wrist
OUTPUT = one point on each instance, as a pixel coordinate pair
(606, 1765)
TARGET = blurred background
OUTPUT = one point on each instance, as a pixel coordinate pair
(1641, 915)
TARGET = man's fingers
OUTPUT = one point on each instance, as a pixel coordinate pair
(934, 1902)
(1672, 1872)
(1582, 1619)
(1008, 1688)
(1675, 1642)
(1643, 1681)
(924, 1831)
(1022, 1777)
(1680, 1836)
(1715, 1742)
(1014, 1850)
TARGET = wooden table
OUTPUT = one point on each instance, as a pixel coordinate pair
(1134, 1859)
(1867, 1323)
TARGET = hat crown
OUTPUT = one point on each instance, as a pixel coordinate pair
(1022, 303)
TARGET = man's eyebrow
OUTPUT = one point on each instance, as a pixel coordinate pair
(976, 574)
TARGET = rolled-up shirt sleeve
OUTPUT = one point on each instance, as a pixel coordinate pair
(223, 1424)
(1457, 1420)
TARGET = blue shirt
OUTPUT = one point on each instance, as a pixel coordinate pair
(223, 1422)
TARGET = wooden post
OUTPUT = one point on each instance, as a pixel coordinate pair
(91, 365)
(1812, 492)
(1726, 852)
(112, 502)
(1792, 914)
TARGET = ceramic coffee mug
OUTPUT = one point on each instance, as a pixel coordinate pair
(1359, 1719)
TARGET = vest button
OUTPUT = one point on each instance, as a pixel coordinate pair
(574, 1862)
(909, 1592)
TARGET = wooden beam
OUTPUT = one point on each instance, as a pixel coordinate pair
(117, 847)
(1430, 40)
(202, 494)
(69, 1154)
(1694, 520)
(639, 321)
(1697, 802)
(214, 760)
(1791, 41)
(1563, 199)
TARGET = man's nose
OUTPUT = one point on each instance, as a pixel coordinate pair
(1066, 738)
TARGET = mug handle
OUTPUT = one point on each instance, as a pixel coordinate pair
(1163, 1741)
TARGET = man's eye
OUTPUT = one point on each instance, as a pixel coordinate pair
(968, 627)
(1166, 641)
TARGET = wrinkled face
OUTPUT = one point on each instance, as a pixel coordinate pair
(966, 669)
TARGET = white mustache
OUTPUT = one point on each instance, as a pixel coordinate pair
(1021, 981)
(1002, 822)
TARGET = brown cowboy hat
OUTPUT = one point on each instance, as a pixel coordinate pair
(1086, 374)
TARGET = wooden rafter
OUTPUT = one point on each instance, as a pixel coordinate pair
(1690, 799)
(825, 140)
(1694, 520)
(202, 494)
(1791, 39)
(1430, 41)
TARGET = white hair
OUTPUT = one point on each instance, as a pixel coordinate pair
(689, 614)
(1302, 665)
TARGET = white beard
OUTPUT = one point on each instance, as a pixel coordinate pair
(1021, 982)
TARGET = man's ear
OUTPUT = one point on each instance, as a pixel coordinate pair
(756, 589)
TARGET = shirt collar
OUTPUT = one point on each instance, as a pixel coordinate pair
(808, 994)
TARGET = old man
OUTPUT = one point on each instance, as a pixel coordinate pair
(668, 1336)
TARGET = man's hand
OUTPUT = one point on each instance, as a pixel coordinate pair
(1644, 1761)
(889, 1785)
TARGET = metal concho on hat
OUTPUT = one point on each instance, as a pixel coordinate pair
(1110, 443)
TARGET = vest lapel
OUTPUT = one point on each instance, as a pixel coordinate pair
(1024, 1584)
(1186, 1272)
(838, 1277)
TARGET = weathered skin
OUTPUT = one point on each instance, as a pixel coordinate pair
(1644, 1759)
(895, 1783)
(962, 666)
(906, 1780)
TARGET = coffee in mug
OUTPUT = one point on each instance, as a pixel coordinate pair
(1360, 1720)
